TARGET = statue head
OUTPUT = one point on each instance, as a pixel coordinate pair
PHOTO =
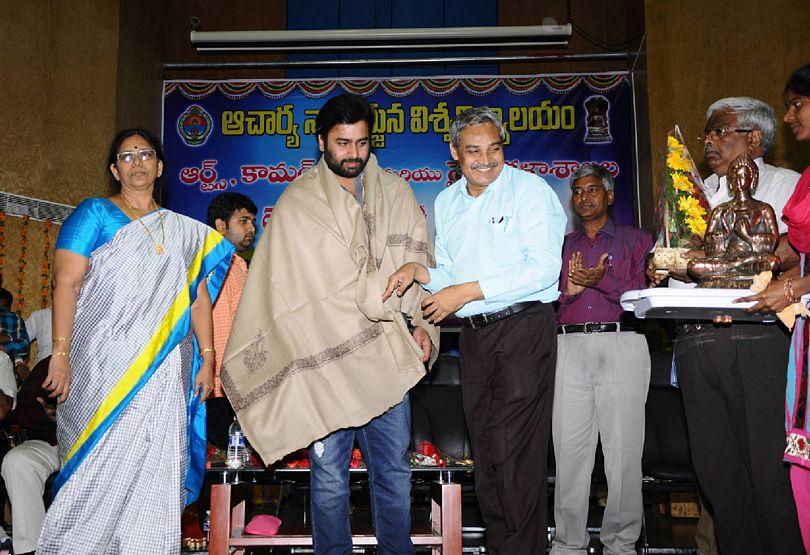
(743, 175)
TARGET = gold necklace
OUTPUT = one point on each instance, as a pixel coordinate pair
(158, 246)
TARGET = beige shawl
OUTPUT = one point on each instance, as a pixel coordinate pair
(313, 349)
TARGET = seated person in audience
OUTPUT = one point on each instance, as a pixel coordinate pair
(28, 465)
(13, 336)
(38, 326)
(8, 400)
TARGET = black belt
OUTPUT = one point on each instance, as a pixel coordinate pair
(594, 327)
(480, 320)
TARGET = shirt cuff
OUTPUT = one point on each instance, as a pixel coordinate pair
(438, 280)
(489, 288)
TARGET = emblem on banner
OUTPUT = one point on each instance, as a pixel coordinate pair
(597, 121)
(194, 125)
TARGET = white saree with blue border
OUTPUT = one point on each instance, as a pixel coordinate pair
(131, 433)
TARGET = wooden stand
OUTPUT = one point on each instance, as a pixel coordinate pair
(228, 521)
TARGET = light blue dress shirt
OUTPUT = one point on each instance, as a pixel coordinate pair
(508, 239)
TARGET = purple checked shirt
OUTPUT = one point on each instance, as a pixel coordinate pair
(627, 248)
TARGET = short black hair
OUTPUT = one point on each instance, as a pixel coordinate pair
(799, 81)
(224, 205)
(122, 136)
(5, 295)
(345, 109)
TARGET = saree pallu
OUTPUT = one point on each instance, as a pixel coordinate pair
(131, 432)
(796, 214)
(797, 450)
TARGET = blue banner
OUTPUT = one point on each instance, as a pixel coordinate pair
(256, 137)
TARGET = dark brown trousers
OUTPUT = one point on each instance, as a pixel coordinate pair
(507, 380)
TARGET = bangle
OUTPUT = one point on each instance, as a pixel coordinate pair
(60, 339)
(60, 354)
(789, 293)
(206, 350)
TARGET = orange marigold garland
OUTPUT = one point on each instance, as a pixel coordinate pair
(23, 256)
(2, 240)
(45, 274)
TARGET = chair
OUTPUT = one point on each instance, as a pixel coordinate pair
(437, 412)
(666, 457)
(666, 461)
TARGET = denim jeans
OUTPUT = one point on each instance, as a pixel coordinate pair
(384, 442)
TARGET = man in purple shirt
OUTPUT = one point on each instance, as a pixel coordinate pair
(603, 371)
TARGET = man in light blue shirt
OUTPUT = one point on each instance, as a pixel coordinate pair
(499, 235)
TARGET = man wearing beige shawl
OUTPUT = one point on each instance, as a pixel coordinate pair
(315, 355)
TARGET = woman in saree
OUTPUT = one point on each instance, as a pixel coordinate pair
(787, 291)
(132, 360)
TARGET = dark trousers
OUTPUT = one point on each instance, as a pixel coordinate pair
(733, 384)
(507, 381)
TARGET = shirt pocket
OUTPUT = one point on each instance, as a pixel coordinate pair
(504, 238)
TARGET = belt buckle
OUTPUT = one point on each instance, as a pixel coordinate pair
(478, 321)
(591, 327)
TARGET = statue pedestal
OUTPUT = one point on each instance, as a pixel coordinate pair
(691, 304)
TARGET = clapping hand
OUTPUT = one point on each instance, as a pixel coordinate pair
(587, 277)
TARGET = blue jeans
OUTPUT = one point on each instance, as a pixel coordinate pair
(384, 442)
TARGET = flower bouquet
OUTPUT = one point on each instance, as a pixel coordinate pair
(683, 210)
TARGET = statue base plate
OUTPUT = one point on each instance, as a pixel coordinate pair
(736, 282)
(691, 304)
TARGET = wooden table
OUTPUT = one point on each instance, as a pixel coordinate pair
(228, 518)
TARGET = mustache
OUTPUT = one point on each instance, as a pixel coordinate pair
(484, 166)
(708, 150)
(352, 160)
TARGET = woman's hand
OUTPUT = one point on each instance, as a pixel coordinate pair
(770, 299)
(204, 382)
(58, 380)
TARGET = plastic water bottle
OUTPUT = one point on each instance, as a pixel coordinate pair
(207, 525)
(237, 452)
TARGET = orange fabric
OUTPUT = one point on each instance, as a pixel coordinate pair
(224, 311)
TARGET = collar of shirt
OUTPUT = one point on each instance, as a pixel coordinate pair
(492, 188)
(609, 229)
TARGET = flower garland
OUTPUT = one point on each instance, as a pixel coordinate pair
(45, 274)
(23, 254)
(2, 240)
(683, 208)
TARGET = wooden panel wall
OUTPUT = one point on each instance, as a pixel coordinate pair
(58, 61)
(699, 52)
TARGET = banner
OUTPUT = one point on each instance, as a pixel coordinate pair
(256, 137)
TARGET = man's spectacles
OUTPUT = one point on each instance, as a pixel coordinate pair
(719, 133)
(128, 156)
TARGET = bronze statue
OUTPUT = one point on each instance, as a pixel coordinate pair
(741, 236)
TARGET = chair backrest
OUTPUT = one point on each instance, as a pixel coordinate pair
(437, 412)
(666, 443)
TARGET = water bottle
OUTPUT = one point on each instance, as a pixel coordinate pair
(207, 526)
(237, 453)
